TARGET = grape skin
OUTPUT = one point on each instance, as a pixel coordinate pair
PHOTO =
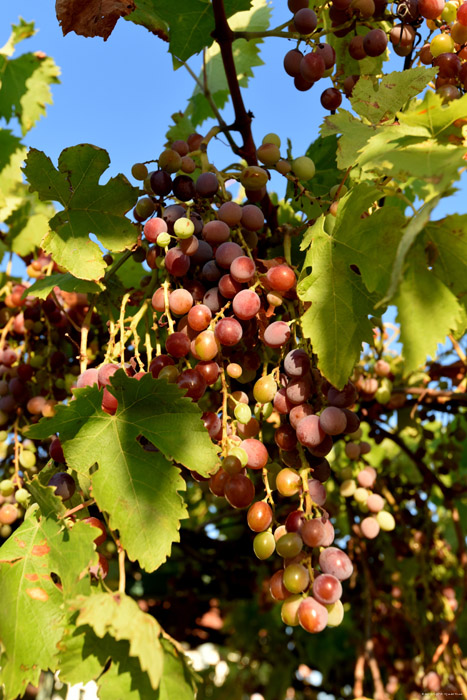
(335, 562)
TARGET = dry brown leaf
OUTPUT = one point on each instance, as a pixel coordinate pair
(93, 17)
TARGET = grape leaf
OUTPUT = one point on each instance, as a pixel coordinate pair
(39, 547)
(190, 26)
(20, 31)
(137, 487)
(8, 145)
(380, 100)
(28, 225)
(432, 114)
(25, 89)
(88, 207)
(246, 57)
(93, 18)
(177, 678)
(66, 282)
(125, 678)
(12, 190)
(120, 616)
(446, 244)
(427, 311)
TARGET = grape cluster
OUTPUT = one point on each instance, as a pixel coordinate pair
(352, 20)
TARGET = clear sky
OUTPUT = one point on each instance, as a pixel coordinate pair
(120, 94)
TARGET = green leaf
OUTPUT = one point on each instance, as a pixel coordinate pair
(12, 190)
(354, 136)
(38, 548)
(28, 225)
(9, 144)
(124, 679)
(427, 311)
(190, 26)
(445, 241)
(137, 487)
(120, 616)
(25, 89)
(246, 57)
(88, 207)
(49, 504)
(177, 678)
(380, 100)
(20, 31)
(432, 115)
(66, 282)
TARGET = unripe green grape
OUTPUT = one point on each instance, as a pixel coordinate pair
(3, 435)
(254, 178)
(385, 520)
(296, 578)
(335, 613)
(272, 138)
(3, 446)
(163, 240)
(183, 228)
(139, 171)
(5, 531)
(240, 453)
(268, 154)
(382, 395)
(289, 610)
(264, 545)
(348, 488)
(338, 190)
(346, 473)
(4, 417)
(265, 389)
(242, 413)
(37, 361)
(357, 435)
(263, 410)
(442, 43)
(361, 495)
(169, 373)
(144, 207)
(289, 545)
(29, 445)
(170, 161)
(27, 459)
(449, 12)
(147, 185)
(303, 167)
(22, 497)
(6, 487)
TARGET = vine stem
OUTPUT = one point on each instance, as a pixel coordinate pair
(76, 509)
(121, 324)
(83, 356)
(225, 392)
(16, 453)
(121, 569)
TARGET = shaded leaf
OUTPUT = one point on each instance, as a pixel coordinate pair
(66, 282)
(93, 18)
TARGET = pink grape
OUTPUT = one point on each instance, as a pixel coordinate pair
(226, 254)
(257, 453)
(327, 589)
(277, 334)
(242, 269)
(312, 616)
(228, 331)
(309, 431)
(335, 562)
(246, 304)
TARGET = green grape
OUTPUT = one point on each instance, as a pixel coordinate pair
(361, 495)
(265, 389)
(242, 413)
(264, 545)
(27, 459)
(3, 445)
(341, 189)
(29, 445)
(22, 497)
(139, 171)
(449, 12)
(263, 410)
(5, 531)
(382, 395)
(144, 207)
(385, 520)
(272, 138)
(335, 613)
(289, 545)
(3, 435)
(163, 240)
(37, 361)
(348, 488)
(240, 453)
(296, 578)
(289, 610)
(442, 43)
(183, 228)
(6, 487)
(303, 167)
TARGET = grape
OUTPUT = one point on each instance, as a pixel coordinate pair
(177, 344)
(335, 614)
(298, 412)
(292, 61)
(333, 420)
(189, 246)
(281, 278)
(447, 93)
(101, 569)
(296, 578)
(276, 334)
(353, 421)
(285, 437)
(170, 161)
(161, 183)
(259, 516)
(294, 521)
(296, 363)
(63, 484)
(313, 532)
(207, 185)
(153, 228)
(229, 287)
(228, 331)
(176, 262)
(139, 171)
(440, 44)
(370, 527)
(105, 373)
(194, 141)
(264, 545)
(327, 53)
(230, 213)
(375, 503)
(289, 545)
(206, 345)
(268, 154)
(331, 99)
(289, 610)
(242, 269)
(367, 477)
(281, 403)
(349, 83)
(375, 42)
(352, 450)
(193, 383)
(7, 487)
(386, 521)
(188, 165)
(344, 398)
(183, 187)
(304, 169)
(181, 147)
(8, 514)
(199, 317)
(449, 65)
(312, 616)
(242, 413)
(209, 371)
(246, 304)
(265, 389)
(348, 488)
(402, 35)
(239, 491)
(309, 431)
(430, 9)
(302, 85)
(211, 272)
(226, 254)
(462, 14)
(252, 217)
(327, 589)
(184, 228)
(203, 254)
(22, 497)
(109, 402)
(180, 301)
(333, 561)
(361, 495)
(317, 492)
(96, 523)
(158, 363)
(256, 452)
(288, 482)
(251, 429)
(213, 425)
(276, 586)
(305, 21)
(87, 378)
(216, 232)
(312, 68)
(56, 451)
(217, 483)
